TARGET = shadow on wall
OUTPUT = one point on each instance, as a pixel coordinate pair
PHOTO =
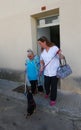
(71, 84)
(12, 75)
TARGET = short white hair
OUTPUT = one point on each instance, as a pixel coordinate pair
(29, 52)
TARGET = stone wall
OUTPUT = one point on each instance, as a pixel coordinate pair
(14, 75)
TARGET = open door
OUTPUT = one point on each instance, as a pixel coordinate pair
(51, 31)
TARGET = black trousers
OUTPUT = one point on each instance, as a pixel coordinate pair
(50, 84)
(33, 86)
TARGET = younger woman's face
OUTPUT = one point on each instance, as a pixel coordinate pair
(42, 44)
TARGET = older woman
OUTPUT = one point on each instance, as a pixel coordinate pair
(32, 69)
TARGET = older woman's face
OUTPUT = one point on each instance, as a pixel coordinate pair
(42, 44)
(30, 56)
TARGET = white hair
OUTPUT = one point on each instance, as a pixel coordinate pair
(29, 52)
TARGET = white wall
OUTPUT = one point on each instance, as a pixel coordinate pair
(15, 25)
(16, 34)
(70, 33)
(15, 38)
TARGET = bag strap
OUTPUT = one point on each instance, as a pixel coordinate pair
(52, 58)
(64, 61)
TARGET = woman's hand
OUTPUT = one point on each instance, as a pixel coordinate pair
(61, 56)
(41, 67)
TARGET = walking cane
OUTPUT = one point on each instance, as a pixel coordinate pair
(25, 85)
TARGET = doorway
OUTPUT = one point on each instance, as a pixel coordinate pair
(49, 27)
(52, 32)
(55, 35)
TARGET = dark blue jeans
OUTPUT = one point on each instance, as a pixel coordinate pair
(50, 84)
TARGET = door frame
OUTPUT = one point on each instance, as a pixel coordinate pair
(34, 19)
(34, 37)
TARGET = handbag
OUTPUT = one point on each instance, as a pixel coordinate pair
(64, 69)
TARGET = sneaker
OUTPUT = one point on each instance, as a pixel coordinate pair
(46, 96)
(52, 103)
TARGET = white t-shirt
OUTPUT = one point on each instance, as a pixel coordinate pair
(51, 68)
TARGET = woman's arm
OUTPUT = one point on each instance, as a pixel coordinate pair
(41, 66)
(60, 54)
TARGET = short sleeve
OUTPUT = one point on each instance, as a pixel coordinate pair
(37, 59)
